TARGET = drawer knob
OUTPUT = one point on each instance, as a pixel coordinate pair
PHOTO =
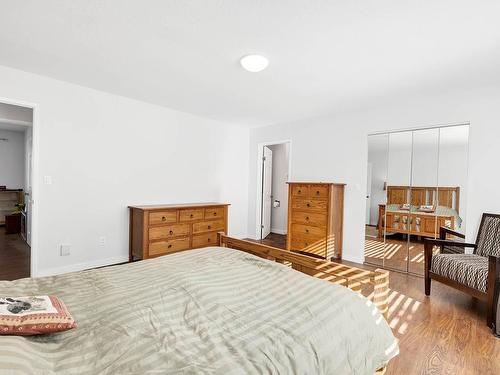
(171, 232)
(191, 215)
(215, 213)
(169, 246)
(208, 240)
(209, 226)
(307, 230)
(317, 192)
(307, 217)
(300, 191)
(163, 218)
(309, 205)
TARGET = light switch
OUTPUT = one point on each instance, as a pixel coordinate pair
(65, 250)
(47, 180)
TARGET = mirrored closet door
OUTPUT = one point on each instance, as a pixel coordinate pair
(416, 184)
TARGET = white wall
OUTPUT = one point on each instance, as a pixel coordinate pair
(105, 152)
(279, 187)
(12, 159)
(334, 148)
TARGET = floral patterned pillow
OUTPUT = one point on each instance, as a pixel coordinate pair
(34, 315)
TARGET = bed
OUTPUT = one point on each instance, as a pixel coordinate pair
(415, 221)
(238, 308)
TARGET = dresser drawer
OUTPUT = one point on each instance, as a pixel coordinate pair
(190, 215)
(318, 191)
(214, 213)
(162, 217)
(207, 239)
(310, 204)
(311, 218)
(168, 231)
(308, 231)
(170, 246)
(208, 226)
(314, 246)
(299, 190)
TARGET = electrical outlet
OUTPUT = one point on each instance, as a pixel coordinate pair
(47, 180)
(102, 241)
(65, 250)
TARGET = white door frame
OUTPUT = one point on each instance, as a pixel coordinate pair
(34, 179)
(260, 150)
(368, 206)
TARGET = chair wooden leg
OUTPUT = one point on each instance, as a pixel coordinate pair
(493, 275)
(427, 286)
(427, 267)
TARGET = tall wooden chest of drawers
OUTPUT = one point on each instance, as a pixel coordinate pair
(162, 229)
(315, 218)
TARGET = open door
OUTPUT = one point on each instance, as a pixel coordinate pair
(267, 178)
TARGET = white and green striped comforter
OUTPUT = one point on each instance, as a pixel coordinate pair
(206, 311)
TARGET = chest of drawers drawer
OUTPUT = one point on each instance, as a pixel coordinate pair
(214, 213)
(315, 246)
(308, 231)
(310, 204)
(310, 218)
(299, 191)
(318, 191)
(169, 246)
(168, 231)
(191, 215)
(162, 217)
(208, 226)
(205, 239)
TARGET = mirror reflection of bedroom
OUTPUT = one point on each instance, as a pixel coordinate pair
(416, 183)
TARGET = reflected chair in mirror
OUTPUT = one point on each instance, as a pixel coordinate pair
(473, 273)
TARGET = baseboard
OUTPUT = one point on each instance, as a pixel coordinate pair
(82, 266)
(278, 231)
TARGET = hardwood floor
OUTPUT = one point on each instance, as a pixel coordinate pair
(396, 249)
(445, 333)
(14, 256)
(275, 240)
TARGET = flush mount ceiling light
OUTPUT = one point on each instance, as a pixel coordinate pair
(254, 63)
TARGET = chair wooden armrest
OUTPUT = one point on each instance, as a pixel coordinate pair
(493, 276)
(440, 242)
(443, 231)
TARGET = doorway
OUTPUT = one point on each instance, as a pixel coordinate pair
(16, 150)
(418, 183)
(272, 200)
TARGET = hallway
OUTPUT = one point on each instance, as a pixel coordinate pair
(14, 256)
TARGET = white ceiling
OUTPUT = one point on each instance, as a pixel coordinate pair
(324, 55)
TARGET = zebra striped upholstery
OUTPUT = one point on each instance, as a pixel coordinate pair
(488, 242)
(467, 269)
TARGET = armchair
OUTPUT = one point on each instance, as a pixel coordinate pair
(473, 273)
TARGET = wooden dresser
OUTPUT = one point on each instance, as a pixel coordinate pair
(315, 218)
(162, 229)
